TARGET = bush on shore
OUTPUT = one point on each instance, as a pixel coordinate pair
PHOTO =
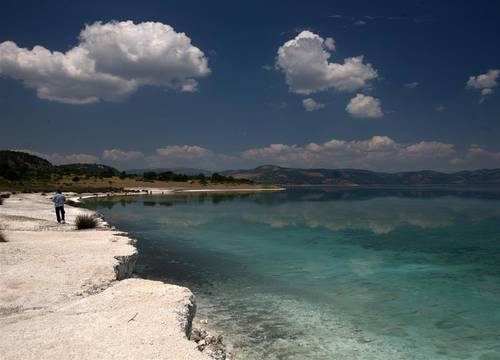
(85, 222)
(1, 201)
(2, 238)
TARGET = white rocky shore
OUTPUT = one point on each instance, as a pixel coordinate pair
(67, 294)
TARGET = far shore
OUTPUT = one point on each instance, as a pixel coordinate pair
(116, 184)
(168, 191)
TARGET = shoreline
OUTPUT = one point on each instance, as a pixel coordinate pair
(78, 284)
(77, 198)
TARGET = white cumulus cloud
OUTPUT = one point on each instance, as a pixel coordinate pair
(122, 155)
(184, 151)
(484, 82)
(428, 149)
(364, 106)
(311, 105)
(188, 156)
(111, 61)
(305, 62)
(378, 152)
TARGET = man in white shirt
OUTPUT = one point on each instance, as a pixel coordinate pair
(59, 200)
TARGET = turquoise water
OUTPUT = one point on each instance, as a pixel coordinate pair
(330, 274)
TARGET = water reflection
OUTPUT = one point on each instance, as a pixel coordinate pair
(166, 200)
(375, 210)
(401, 273)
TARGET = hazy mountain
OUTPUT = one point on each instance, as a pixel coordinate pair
(15, 165)
(352, 177)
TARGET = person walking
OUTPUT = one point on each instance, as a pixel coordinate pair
(59, 200)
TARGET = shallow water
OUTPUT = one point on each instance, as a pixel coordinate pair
(328, 273)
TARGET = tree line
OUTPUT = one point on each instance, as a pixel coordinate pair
(214, 178)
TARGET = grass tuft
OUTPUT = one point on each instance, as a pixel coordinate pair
(86, 222)
(1, 201)
(2, 238)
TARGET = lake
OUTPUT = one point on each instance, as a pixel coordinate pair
(327, 273)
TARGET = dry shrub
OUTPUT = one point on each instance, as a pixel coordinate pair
(85, 222)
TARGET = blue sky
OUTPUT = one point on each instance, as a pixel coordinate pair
(423, 95)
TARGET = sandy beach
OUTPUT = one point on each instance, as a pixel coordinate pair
(68, 294)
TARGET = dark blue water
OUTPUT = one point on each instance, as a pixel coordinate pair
(331, 274)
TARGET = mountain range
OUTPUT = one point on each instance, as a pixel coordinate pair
(271, 174)
(19, 165)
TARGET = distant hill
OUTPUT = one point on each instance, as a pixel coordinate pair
(15, 165)
(90, 169)
(177, 170)
(22, 160)
(270, 174)
(18, 165)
